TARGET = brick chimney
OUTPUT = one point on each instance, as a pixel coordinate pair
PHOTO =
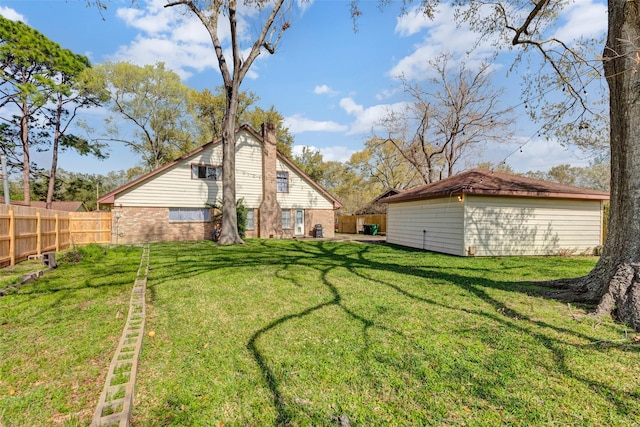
(270, 214)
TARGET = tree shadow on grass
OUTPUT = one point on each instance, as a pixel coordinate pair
(325, 259)
(367, 262)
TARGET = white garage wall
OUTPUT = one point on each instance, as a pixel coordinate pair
(498, 226)
(434, 225)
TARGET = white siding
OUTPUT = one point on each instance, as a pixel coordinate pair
(301, 195)
(499, 226)
(175, 187)
(434, 225)
(248, 170)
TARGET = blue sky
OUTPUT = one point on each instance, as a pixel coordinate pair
(330, 83)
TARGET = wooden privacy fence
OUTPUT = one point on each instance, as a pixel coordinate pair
(90, 227)
(27, 231)
(355, 223)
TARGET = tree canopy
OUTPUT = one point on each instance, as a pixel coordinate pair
(40, 81)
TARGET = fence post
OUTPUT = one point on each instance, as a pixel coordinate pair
(12, 237)
(57, 234)
(38, 233)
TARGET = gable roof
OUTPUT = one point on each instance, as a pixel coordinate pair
(56, 206)
(109, 198)
(61, 206)
(484, 182)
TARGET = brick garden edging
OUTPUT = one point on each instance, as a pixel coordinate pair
(116, 399)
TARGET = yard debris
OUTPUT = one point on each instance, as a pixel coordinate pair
(302, 401)
(343, 421)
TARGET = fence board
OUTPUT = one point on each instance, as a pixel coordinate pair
(90, 227)
(355, 223)
(26, 231)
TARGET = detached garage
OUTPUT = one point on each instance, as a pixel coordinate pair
(483, 213)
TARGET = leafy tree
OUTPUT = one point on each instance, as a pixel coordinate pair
(69, 97)
(233, 73)
(500, 167)
(208, 111)
(27, 59)
(381, 161)
(595, 176)
(40, 79)
(257, 116)
(450, 122)
(152, 100)
(312, 163)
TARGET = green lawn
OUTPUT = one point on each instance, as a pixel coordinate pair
(302, 332)
(58, 334)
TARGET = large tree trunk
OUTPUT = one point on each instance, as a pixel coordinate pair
(229, 233)
(615, 280)
(26, 166)
(622, 249)
(54, 160)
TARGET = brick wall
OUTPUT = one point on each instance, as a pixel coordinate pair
(144, 224)
(139, 225)
(325, 217)
(269, 211)
(319, 216)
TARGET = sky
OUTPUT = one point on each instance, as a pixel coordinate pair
(331, 83)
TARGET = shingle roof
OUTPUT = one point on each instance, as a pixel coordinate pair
(484, 182)
(60, 206)
(56, 206)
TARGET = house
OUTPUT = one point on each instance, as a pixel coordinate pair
(375, 207)
(483, 213)
(56, 206)
(61, 206)
(173, 202)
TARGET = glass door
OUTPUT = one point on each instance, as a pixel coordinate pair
(299, 226)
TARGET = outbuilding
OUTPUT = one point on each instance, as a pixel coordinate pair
(485, 213)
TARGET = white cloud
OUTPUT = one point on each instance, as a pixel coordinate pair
(176, 37)
(329, 154)
(299, 124)
(350, 106)
(146, 20)
(539, 154)
(11, 14)
(367, 119)
(324, 89)
(442, 34)
(181, 58)
(412, 22)
(336, 154)
(584, 18)
(386, 93)
(304, 5)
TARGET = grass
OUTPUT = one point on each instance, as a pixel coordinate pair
(58, 337)
(12, 275)
(301, 333)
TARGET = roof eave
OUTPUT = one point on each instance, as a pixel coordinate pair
(547, 195)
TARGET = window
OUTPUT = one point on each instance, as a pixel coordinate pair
(251, 222)
(286, 218)
(282, 182)
(189, 215)
(213, 173)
